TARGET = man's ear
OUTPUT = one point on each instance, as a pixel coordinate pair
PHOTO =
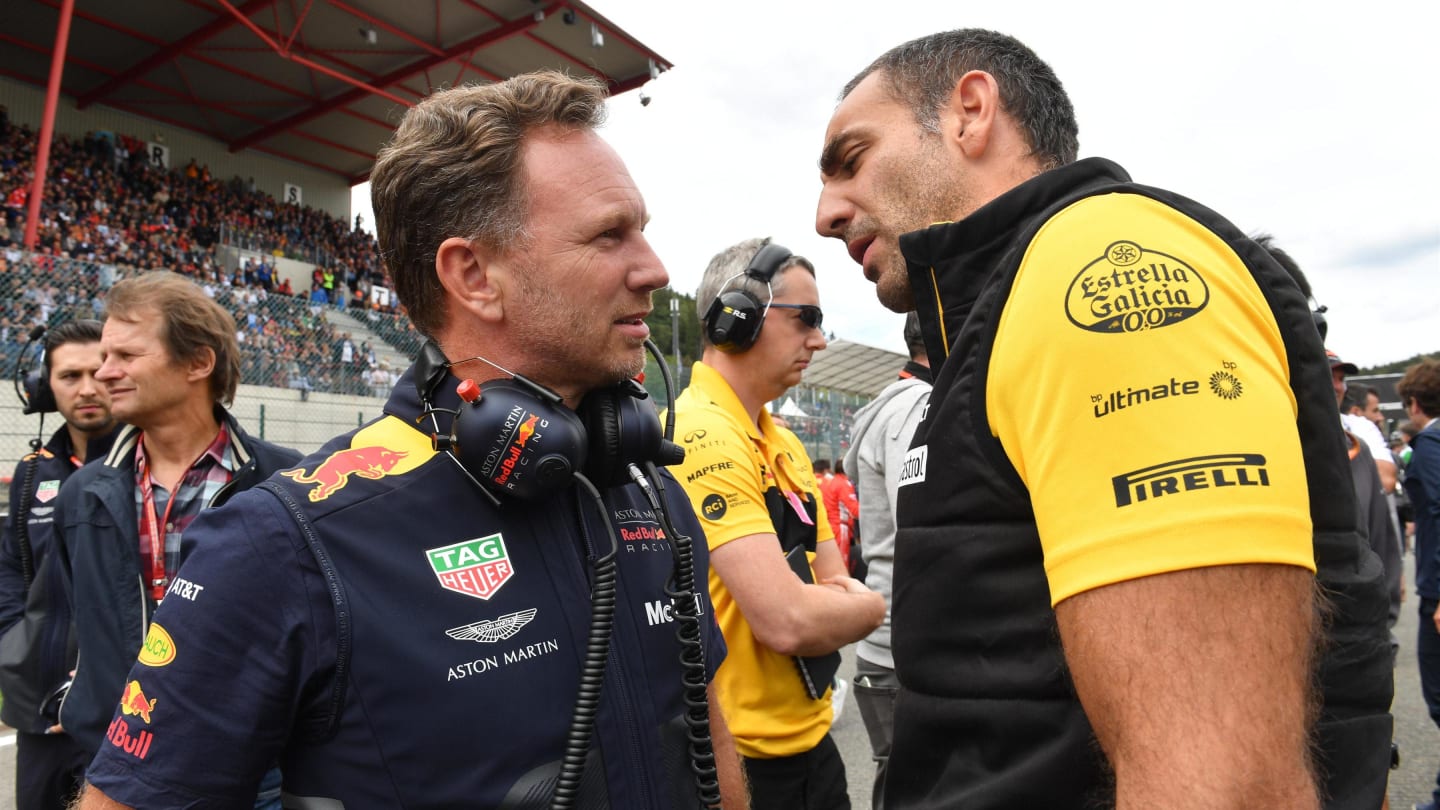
(201, 365)
(968, 120)
(471, 274)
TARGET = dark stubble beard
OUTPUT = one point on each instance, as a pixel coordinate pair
(550, 326)
(926, 189)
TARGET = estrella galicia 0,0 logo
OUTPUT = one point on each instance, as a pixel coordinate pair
(1131, 289)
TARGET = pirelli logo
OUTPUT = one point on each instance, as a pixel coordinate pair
(1189, 474)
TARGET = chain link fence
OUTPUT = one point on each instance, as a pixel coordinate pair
(310, 369)
(822, 418)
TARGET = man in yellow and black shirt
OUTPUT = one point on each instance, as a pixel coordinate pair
(1129, 481)
(781, 594)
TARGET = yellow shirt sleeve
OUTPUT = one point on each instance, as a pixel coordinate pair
(721, 476)
(1139, 385)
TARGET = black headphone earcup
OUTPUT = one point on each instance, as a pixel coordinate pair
(623, 429)
(516, 444)
(39, 398)
(600, 414)
(733, 321)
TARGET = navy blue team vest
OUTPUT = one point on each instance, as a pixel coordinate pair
(460, 630)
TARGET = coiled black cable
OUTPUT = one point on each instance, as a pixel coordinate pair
(693, 680)
(681, 590)
(592, 672)
(22, 513)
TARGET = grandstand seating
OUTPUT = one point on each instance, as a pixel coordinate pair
(108, 214)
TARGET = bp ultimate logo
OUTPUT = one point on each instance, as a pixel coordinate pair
(1189, 474)
(1131, 289)
(473, 567)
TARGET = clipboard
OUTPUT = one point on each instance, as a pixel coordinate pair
(817, 672)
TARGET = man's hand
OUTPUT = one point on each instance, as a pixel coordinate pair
(93, 799)
(845, 584)
(789, 616)
(1436, 619)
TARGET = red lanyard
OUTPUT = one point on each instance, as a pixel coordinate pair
(151, 523)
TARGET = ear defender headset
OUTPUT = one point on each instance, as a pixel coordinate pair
(1317, 313)
(733, 321)
(516, 439)
(32, 383)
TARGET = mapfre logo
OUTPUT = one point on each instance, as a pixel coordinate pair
(1190, 474)
(1131, 289)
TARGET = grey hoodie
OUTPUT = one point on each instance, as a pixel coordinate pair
(878, 443)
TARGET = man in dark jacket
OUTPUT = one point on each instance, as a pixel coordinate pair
(34, 614)
(1419, 392)
(171, 362)
(1130, 484)
(413, 621)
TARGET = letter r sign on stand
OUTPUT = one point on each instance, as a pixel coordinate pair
(158, 154)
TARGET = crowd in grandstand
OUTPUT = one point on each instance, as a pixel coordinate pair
(109, 213)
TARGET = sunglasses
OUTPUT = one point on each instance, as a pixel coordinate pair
(810, 315)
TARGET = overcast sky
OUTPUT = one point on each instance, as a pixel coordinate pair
(1320, 127)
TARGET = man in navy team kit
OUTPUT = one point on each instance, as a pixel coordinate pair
(404, 619)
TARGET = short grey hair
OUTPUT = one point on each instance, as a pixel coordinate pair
(720, 276)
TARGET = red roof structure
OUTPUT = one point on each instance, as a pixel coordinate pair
(318, 82)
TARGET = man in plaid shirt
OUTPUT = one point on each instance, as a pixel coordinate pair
(171, 363)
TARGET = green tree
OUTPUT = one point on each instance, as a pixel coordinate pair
(662, 332)
(1398, 366)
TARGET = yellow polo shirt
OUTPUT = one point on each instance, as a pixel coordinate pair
(729, 465)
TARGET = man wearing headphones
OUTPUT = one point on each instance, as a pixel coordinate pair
(780, 590)
(483, 598)
(36, 649)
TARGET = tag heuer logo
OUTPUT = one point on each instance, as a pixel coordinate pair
(46, 491)
(473, 567)
(492, 630)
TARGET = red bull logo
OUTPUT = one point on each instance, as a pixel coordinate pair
(119, 736)
(334, 472)
(527, 429)
(134, 703)
(514, 453)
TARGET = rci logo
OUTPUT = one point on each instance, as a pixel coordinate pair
(713, 507)
(1131, 289)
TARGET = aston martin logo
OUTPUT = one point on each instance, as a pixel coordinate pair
(492, 630)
